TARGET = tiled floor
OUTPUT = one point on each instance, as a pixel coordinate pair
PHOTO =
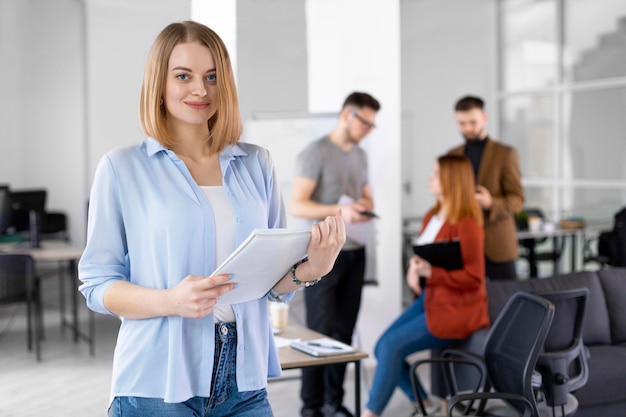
(70, 383)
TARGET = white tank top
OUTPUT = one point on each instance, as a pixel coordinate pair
(224, 239)
(430, 232)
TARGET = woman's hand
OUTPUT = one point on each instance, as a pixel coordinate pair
(418, 267)
(195, 296)
(327, 239)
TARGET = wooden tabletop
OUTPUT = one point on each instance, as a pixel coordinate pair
(291, 358)
(49, 251)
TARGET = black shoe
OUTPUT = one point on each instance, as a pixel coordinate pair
(311, 412)
(336, 411)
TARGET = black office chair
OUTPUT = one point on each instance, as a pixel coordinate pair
(563, 362)
(19, 284)
(529, 246)
(54, 226)
(510, 355)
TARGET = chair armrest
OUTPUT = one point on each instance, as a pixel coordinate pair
(483, 397)
(447, 363)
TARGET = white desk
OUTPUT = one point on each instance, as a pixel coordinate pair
(67, 256)
(294, 359)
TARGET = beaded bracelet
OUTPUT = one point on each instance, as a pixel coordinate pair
(296, 280)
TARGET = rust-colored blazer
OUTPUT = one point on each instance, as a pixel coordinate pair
(499, 173)
(456, 300)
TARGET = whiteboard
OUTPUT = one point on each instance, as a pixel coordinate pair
(285, 134)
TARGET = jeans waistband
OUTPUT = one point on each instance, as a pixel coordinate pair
(225, 331)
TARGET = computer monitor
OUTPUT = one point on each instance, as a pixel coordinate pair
(22, 203)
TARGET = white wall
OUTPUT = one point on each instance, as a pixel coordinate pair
(41, 107)
(344, 55)
(448, 50)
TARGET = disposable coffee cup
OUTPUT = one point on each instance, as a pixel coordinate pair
(534, 224)
(279, 315)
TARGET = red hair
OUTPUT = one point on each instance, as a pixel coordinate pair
(456, 178)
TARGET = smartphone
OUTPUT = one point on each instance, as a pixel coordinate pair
(369, 214)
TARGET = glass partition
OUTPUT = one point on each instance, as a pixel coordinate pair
(595, 140)
(528, 125)
(529, 44)
(562, 102)
(595, 39)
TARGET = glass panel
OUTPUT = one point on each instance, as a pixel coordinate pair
(528, 125)
(529, 47)
(541, 198)
(593, 205)
(594, 145)
(595, 39)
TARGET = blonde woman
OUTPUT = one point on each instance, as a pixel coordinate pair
(163, 214)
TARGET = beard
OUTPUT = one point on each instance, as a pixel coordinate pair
(476, 136)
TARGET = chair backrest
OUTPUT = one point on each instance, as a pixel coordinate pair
(612, 243)
(16, 277)
(563, 362)
(514, 343)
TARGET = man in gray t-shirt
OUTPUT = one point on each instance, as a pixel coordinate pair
(331, 175)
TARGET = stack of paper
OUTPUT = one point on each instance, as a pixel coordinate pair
(323, 346)
(261, 261)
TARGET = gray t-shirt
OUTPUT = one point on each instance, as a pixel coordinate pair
(336, 172)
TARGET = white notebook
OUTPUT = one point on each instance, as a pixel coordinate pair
(323, 346)
(261, 261)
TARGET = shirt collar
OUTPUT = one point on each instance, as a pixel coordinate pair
(152, 146)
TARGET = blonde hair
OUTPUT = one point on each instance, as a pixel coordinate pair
(225, 125)
(456, 178)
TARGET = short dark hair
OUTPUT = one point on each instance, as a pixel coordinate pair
(361, 100)
(468, 103)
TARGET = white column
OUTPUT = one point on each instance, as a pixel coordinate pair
(354, 45)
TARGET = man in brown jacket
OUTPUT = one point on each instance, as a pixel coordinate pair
(499, 190)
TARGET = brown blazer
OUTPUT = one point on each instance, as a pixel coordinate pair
(499, 173)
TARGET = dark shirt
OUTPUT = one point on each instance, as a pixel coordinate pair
(474, 151)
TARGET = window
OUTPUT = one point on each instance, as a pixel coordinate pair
(562, 102)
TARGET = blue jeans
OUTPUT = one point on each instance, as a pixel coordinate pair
(407, 335)
(224, 401)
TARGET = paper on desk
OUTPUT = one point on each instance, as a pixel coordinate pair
(357, 232)
(283, 341)
(261, 261)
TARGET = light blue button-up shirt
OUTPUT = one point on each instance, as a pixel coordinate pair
(150, 224)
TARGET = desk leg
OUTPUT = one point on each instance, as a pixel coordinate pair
(357, 388)
(61, 278)
(574, 250)
(90, 336)
(532, 261)
(74, 292)
(556, 259)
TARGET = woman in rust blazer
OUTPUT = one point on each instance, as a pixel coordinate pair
(452, 303)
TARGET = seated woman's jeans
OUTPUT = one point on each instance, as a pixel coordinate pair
(407, 335)
(225, 400)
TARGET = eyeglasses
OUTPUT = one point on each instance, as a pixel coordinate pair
(365, 123)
